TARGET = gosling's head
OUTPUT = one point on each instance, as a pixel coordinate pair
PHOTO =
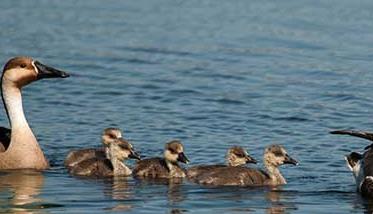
(110, 135)
(353, 162)
(237, 156)
(174, 152)
(122, 150)
(276, 155)
(22, 70)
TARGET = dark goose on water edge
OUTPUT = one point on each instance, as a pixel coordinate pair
(274, 156)
(166, 167)
(236, 156)
(19, 148)
(361, 165)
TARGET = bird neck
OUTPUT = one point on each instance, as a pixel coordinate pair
(119, 168)
(274, 174)
(12, 99)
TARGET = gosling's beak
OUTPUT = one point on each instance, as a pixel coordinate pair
(134, 155)
(290, 160)
(250, 159)
(45, 71)
(182, 158)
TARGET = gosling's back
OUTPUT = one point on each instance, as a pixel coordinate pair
(99, 167)
(156, 168)
(234, 176)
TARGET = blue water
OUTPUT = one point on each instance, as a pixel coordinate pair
(210, 73)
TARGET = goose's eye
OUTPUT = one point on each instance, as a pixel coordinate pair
(23, 65)
(112, 136)
(172, 151)
(240, 155)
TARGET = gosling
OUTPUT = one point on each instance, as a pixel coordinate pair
(112, 165)
(274, 156)
(109, 136)
(166, 167)
(236, 156)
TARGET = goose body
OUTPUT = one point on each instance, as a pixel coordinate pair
(19, 148)
(274, 156)
(236, 156)
(166, 167)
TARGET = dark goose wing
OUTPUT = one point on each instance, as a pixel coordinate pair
(361, 134)
(4, 138)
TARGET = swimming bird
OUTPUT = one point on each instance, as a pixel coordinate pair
(236, 156)
(361, 165)
(274, 156)
(76, 156)
(166, 167)
(19, 148)
(118, 151)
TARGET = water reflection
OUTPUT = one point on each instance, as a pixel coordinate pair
(277, 199)
(20, 191)
(119, 190)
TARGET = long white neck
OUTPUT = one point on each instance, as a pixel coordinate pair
(274, 173)
(13, 103)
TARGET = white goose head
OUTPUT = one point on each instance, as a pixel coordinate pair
(121, 149)
(110, 135)
(276, 155)
(174, 152)
(21, 71)
(237, 156)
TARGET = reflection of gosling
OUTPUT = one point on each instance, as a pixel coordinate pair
(166, 167)
(236, 156)
(76, 156)
(112, 165)
(274, 156)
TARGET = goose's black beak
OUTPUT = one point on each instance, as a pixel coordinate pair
(45, 71)
(182, 158)
(134, 155)
(250, 159)
(290, 160)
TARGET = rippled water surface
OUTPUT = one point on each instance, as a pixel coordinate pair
(211, 73)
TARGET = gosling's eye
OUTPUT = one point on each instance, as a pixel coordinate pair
(240, 155)
(172, 151)
(278, 154)
(23, 65)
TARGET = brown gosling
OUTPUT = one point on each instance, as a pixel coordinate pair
(274, 156)
(166, 167)
(236, 156)
(109, 136)
(113, 165)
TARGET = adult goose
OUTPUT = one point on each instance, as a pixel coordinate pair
(274, 156)
(19, 148)
(361, 165)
